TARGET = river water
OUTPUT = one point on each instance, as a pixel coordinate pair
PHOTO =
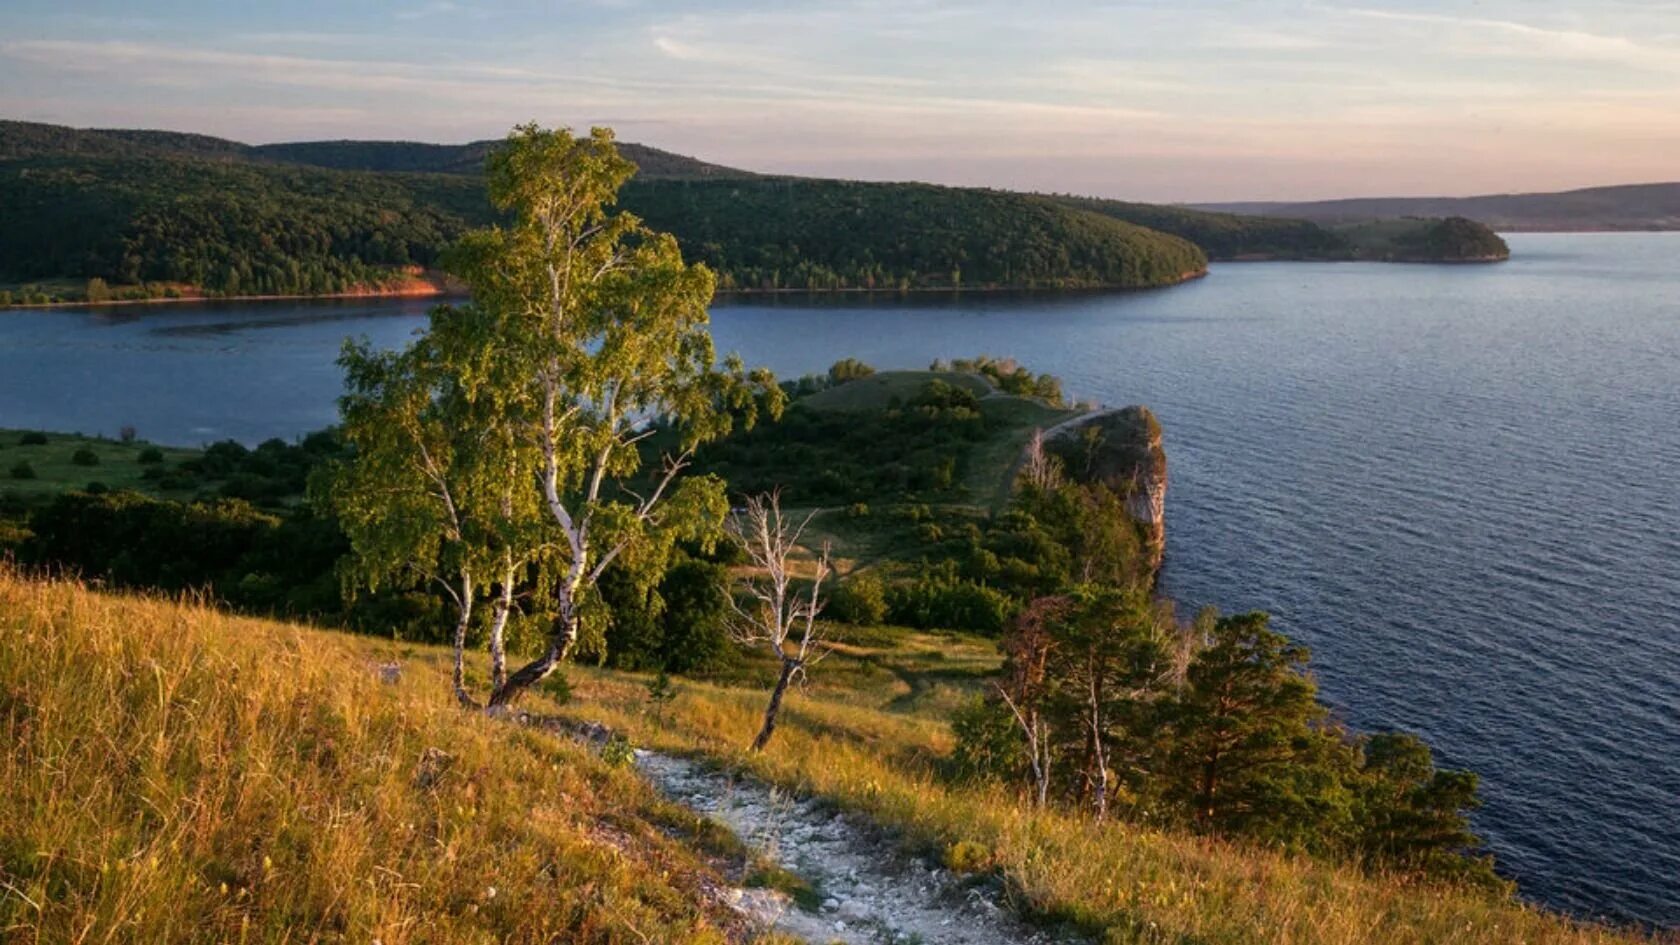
(1460, 485)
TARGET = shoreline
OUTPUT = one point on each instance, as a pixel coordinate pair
(440, 292)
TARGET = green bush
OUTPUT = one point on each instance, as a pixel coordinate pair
(967, 856)
(22, 470)
(939, 599)
(84, 457)
(150, 456)
(848, 369)
(33, 438)
(861, 599)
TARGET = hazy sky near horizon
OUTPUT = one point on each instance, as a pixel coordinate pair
(1149, 99)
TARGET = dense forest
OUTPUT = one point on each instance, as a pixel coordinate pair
(111, 214)
(824, 234)
(1230, 236)
(1226, 235)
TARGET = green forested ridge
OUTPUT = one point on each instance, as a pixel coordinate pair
(1453, 239)
(823, 234)
(1227, 236)
(226, 227)
(184, 211)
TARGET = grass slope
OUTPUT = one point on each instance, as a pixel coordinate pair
(118, 466)
(178, 775)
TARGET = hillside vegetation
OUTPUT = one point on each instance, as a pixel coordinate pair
(112, 215)
(175, 774)
(1232, 236)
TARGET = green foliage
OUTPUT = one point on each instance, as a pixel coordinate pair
(84, 457)
(860, 599)
(967, 856)
(149, 456)
(848, 369)
(1008, 376)
(837, 457)
(988, 745)
(244, 556)
(793, 233)
(661, 692)
(1227, 235)
(938, 597)
(33, 438)
(676, 625)
(22, 469)
(1450, 239)
(618, 752)
(1216, 726)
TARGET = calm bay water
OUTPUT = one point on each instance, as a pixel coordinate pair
(1459, 485)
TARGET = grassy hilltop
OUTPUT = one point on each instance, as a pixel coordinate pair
(178, 774)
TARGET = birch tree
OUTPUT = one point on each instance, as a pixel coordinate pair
(436, 493)
(587, 335)
(777, 615)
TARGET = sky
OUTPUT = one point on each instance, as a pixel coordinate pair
(1168, 100)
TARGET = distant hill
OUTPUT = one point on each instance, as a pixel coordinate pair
(651, 163)
(1230, 236)
(21, 139)
(103, 214)
(1629, 207)
(829, 234)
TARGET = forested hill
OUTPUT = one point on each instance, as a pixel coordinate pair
(1229, 236)
(1630, 207)
(825, 234)
(159, 213)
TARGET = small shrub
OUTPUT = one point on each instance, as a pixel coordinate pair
(557, 687)
(22, 470)
(33, 438)
(618, 752)
(848, 369)
(660, 694)
(150, 456)
(861, 599)
(967, 856)
(84, 457)
(858, 510)
(96, 488)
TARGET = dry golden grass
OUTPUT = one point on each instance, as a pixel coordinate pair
(172, 774)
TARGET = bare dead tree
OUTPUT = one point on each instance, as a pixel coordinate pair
(1040, 469)
(776, 614)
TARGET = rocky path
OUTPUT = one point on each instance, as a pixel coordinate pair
(870, 894)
